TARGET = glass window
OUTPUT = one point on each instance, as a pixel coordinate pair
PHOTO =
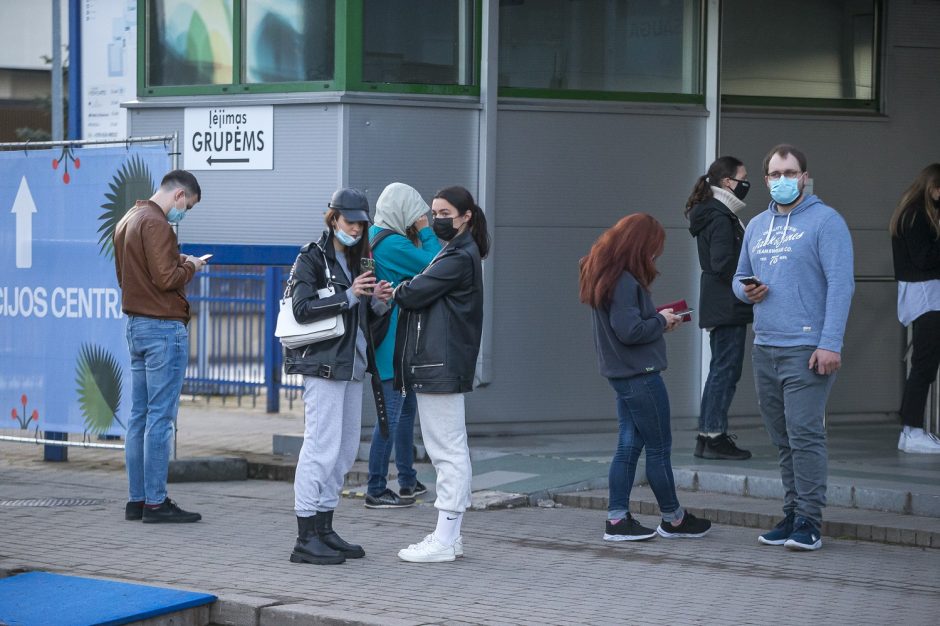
(190, 42)
(289, 40)
(812, 49)
(601, 45)
(422, 42)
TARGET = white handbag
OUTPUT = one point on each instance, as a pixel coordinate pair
(292, 333)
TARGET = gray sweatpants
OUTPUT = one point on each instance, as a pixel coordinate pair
(792, 401)
(444, 431)
(332, 423)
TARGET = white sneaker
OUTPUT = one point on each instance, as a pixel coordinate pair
(430, 550)
(920, 442)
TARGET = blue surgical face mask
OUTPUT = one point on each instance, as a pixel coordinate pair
(785, 190)
(175, 216)
(346, 239)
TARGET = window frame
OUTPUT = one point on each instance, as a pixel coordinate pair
(237, 86)
(627, 96)
(347, 60)
(809, 104)
(355, 82)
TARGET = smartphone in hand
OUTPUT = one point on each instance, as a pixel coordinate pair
(366, 264)
(206, 257)
(751, 280)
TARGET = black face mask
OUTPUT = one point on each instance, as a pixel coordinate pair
(444, 228)
(741, 190)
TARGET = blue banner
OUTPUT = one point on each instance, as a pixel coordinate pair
(64, 364)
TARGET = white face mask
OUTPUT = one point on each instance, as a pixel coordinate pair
(346, 239)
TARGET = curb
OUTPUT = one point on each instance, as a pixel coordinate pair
(837, 494)
(738, 516)
(242, 610)
(207, 469)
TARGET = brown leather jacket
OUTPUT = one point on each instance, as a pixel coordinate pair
(151, 272)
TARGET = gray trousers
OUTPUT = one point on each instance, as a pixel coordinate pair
(332, 423)
(792, 401)
(444, 432)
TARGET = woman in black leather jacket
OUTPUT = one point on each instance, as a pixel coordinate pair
(436, 350)
(333, 371)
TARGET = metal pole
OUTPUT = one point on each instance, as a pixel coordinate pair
(486, 197)
(57, 133)
(272, 368)
(63, 443)
(50, 453)
(75, 70)
(35, 145)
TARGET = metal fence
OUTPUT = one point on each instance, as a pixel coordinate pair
(233, 353)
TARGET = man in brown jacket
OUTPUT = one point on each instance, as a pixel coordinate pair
(153, 275)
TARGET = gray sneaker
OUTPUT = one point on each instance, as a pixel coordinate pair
(388, 499)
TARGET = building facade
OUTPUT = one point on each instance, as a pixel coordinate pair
(562, 116)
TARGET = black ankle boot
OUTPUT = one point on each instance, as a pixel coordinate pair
(309, 548)
(324, 526)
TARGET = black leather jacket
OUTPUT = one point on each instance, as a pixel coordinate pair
(441, 322)
(332, 358)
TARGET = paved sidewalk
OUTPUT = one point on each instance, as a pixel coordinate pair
(522, 566)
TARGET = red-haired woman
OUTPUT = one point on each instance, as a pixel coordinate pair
(628, 334)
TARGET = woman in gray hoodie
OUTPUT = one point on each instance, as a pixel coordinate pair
(628, 334)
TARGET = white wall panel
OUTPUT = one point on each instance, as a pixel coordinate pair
(280, 206)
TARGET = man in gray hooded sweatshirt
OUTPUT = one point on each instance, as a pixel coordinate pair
(796, 267)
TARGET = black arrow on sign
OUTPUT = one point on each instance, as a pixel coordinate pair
(210, 160)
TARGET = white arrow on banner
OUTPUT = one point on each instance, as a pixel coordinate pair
(24, 207)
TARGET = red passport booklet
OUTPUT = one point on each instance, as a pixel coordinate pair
(677, 307)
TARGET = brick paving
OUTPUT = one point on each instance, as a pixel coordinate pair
(523, 566)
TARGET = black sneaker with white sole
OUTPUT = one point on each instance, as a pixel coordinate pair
(168, 513)
(690, 527)
(627, 529)
(411, 492)
(722, 447)
(388, 499)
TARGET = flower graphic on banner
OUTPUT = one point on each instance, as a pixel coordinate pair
(98, 379)
(67, 156)
(131, 183)
(26, 417)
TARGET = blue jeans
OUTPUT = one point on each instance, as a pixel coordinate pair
(159, 353)
(792, 401)
(643, 413)
(401, 433)
(727, 345)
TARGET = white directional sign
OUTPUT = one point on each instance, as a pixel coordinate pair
(229, 138)
(24, 207)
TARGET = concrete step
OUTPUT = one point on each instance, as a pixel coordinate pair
(736, 510)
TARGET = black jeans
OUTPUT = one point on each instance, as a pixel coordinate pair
(925, 358)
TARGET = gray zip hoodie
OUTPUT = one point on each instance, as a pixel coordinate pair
(805, 258)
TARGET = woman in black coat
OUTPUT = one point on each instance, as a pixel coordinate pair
(915, 242)
(712, 211)
(436, 348)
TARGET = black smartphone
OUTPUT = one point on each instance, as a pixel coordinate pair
(366, 264)
(751, 280)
